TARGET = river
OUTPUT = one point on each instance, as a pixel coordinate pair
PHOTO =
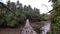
(46, 27)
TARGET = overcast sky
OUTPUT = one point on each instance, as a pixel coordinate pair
(42, 5)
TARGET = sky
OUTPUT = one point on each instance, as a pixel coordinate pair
(42, 5)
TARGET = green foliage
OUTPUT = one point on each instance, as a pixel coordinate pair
(54, 0)
(45, 17)
(48, 32)
(10, 20)
(37, 30)
(55, 17)
(18, 14)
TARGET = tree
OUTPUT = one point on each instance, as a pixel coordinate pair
(18, 14)
(13, 6)
(55, 17)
